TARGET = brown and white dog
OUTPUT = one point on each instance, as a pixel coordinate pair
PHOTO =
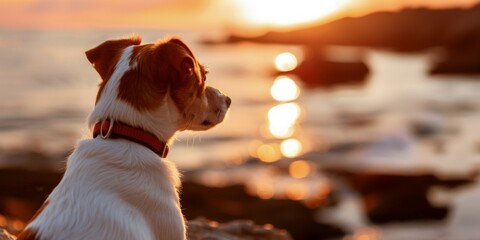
(118, 184)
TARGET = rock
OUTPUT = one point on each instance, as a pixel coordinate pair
(318, 71)
(396, 198)
(458, 62)
(203, 229)
(225, 204)
(455, 30)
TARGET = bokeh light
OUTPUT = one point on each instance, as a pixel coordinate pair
(214, 178)
(297, 191)
(269, 152)
(285, 61)
(300, 169)
(284, 89)
(291, 147)
(264, 190)
(281, 131)
(282, 119)
(253, 148)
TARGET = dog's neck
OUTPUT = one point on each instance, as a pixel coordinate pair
(161, 122)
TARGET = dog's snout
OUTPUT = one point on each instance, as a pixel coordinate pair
(228, 100)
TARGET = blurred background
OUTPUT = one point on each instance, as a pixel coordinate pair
(350, 119)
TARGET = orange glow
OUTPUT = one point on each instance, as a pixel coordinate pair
(214, 179)
(291, 147)
(284, 89)
(269, 152)
(213, 224)
(286, 61)
(188, 14)
(282, 119)
(253, 148)
(3, 221)
(18, 225)
(268, 226)
(287, 12)
(369, 233)
(299, 169)
(297, 191)
(264, 190)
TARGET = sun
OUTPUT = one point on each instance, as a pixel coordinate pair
(287, 12)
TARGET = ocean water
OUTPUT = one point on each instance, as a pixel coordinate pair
(47, 89)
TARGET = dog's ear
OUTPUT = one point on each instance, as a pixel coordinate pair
(105, 56)
(183, 57)
(181, 44)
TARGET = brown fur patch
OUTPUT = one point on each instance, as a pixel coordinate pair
(28, 234)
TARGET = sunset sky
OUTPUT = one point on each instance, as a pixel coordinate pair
(192, 13)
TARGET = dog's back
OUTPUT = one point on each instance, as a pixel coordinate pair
(112, 190)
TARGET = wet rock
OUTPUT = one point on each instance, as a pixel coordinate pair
(318, 71)
(396, 197)
(458, 62)
(203, 229)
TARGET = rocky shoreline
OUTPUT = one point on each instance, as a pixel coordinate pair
(203, 229)
(451, 35)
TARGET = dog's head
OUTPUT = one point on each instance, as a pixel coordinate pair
(153, 81)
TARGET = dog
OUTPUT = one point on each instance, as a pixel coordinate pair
(118, 184)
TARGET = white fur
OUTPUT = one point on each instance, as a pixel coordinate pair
(114, 188)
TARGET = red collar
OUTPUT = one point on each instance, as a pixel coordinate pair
(111, 129)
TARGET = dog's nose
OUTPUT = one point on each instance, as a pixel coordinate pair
(228, 101)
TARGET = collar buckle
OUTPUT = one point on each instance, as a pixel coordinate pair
(165, 151)
(110, 127)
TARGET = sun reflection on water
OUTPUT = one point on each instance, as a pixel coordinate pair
(286, 61)
(278, 172)
(264, 190)
(269, 152)
(284, 89)
(291, 147)
(300, 169)
(282, 119)
(297, 191)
